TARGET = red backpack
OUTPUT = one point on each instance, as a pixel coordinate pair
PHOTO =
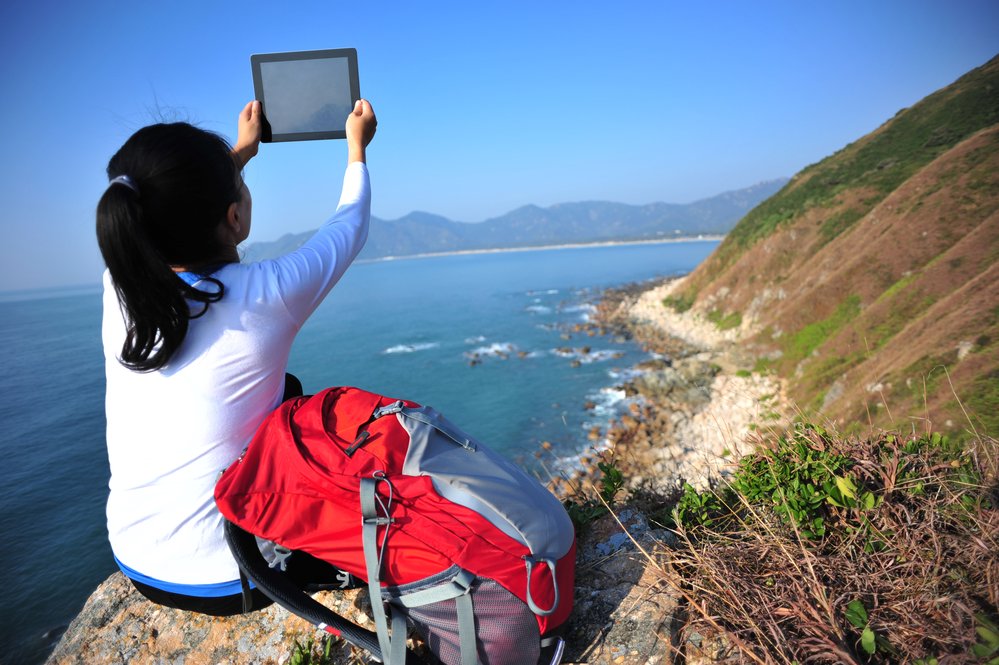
(456, 540)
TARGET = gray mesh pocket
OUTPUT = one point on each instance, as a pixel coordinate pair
(506, 629)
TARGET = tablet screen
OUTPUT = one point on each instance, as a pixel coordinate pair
(306, 94)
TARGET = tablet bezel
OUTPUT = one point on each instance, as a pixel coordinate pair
(258, 90)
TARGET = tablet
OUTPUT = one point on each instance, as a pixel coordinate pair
(305, 95)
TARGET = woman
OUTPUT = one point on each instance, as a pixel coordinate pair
(196, 344)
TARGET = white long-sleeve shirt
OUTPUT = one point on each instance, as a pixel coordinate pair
(171, 432)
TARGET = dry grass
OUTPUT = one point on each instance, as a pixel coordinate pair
(923, 562)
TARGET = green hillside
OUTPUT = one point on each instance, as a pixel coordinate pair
(877, 165)
(870, 280)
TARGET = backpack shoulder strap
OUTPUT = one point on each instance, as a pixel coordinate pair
(285, 593)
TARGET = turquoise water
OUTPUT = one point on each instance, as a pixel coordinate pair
(409, 328)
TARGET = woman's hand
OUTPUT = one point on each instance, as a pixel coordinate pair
(360, 127)
(248, 133)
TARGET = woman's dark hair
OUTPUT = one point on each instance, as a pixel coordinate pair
(182, 181)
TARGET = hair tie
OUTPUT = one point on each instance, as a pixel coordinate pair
(124, 180)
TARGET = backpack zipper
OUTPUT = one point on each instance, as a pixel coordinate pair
(361, 439)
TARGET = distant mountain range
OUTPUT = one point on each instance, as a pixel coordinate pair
(532, 226)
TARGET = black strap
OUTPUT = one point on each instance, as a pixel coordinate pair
(244, 584)
(281, 590)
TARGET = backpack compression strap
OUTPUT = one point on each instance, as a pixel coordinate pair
(376, 513)
(281, 590)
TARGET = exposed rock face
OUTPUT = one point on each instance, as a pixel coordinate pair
(118, 625)
(696, 406)
(622, 616)
(692, 329)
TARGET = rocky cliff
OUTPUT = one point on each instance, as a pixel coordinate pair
(622, 615)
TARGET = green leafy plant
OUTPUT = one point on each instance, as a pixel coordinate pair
(870, 641)
(308, 654)
(708, 509)
(611, 481)
(584, 512)
(802, 481)
(856, 614)
(987, 647)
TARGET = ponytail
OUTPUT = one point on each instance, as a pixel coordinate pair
(180, 182)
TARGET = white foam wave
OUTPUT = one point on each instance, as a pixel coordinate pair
(604, 406)
(538, 309)
(608, 403)
(622, 375)
(478, 339)
(586, 308)
(411, 348)
(496, 349)
(586, 358)
(567, 464)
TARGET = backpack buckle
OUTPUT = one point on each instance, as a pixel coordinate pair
(378, 521)
(388, 410)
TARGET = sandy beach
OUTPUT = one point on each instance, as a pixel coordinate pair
(539, 248)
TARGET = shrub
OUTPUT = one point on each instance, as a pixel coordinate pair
(584, 510)
(822, 549)
(680, 303)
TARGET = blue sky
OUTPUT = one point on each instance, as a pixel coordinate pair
(483, 107)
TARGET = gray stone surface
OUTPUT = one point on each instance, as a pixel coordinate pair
(624, 615)
(118, 625)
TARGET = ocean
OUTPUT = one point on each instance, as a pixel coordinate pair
(484, 338)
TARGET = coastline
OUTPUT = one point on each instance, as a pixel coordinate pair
(19, 295)
(541, 248)
(691, 409)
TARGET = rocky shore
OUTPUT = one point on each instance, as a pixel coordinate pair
(623, 614)
(695, 404)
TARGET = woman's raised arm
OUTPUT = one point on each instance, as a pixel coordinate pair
(248, 133)
(360, 128)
